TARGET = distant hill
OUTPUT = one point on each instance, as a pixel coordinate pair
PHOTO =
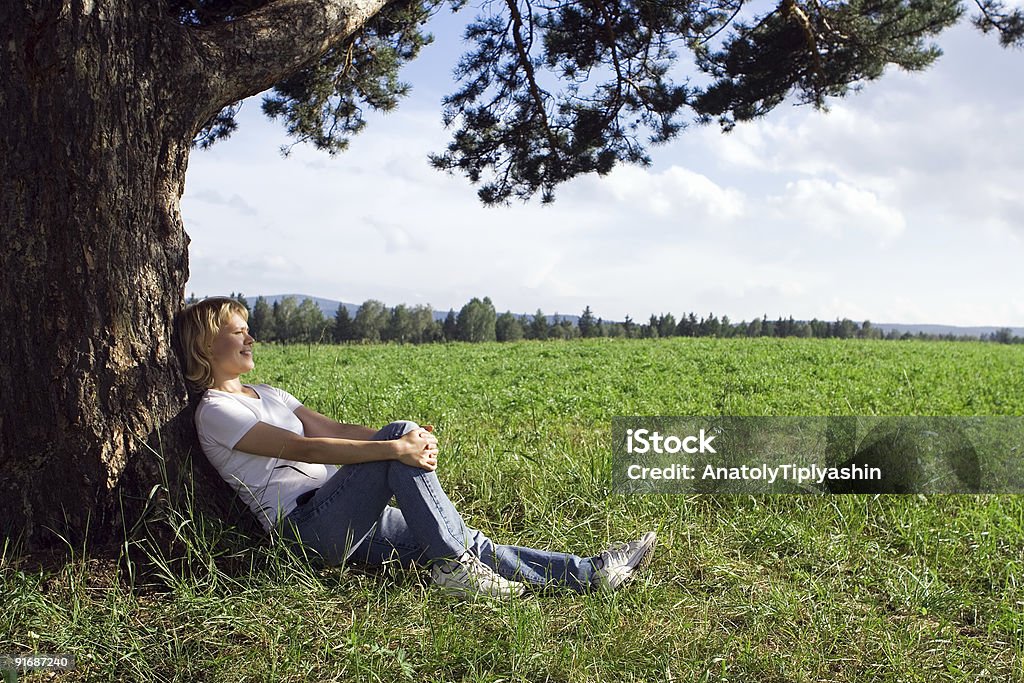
(945, 329)
(330, 308)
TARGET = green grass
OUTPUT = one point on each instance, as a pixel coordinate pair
(771, 588)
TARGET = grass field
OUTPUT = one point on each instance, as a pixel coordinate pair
(771, 588)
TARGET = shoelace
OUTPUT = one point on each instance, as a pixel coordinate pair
(615, 554)
(602, 560)
(616, 548)
(470, 565)
(476, 567)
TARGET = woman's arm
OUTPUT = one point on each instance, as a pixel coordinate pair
(417, 448)
(315, 424)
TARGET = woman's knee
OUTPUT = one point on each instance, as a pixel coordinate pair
(395, 430)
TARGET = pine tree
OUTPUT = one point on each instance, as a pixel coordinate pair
(344, 328)
(666, 325)
(586, 323)
(508, 328)
(539, 326)
(261, 323)
(450, 328)
(399, 327)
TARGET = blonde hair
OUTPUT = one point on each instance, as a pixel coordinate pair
(198, 325)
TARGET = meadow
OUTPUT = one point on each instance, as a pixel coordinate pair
(742, 588)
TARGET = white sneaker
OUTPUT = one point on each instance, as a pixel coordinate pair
(467, 576)
(617, 563)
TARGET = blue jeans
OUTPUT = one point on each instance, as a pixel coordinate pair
(349, 518)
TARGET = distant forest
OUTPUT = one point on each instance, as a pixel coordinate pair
(289, 321)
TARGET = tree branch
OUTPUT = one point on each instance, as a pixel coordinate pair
(246, 56)
(797, 14)
(531, 78)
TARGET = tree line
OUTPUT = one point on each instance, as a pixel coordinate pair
(289, 321)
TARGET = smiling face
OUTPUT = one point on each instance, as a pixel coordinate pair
(231, 351)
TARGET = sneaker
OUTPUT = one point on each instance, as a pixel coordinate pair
(617, 563)
(467, 576)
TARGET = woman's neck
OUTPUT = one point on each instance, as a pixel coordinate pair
(231, 385)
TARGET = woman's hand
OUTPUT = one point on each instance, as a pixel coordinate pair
(418, 448)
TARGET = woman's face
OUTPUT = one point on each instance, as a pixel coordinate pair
(231, 351)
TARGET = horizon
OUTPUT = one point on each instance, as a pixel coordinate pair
(299, 297)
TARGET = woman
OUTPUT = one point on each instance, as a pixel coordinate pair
(280, 457)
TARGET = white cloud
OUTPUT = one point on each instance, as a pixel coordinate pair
(396, 237)
(837, 208)
(235, 202)
(676, 191)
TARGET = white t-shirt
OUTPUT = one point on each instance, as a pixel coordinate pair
(269, 486)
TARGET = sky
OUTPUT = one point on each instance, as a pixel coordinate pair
(902, 204)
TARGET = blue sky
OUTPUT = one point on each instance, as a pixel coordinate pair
(903, 203)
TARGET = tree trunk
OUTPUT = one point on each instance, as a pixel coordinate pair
(100, 101)
(92, 268)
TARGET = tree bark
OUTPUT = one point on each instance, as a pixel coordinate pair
(93, 266)
(99, 104)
